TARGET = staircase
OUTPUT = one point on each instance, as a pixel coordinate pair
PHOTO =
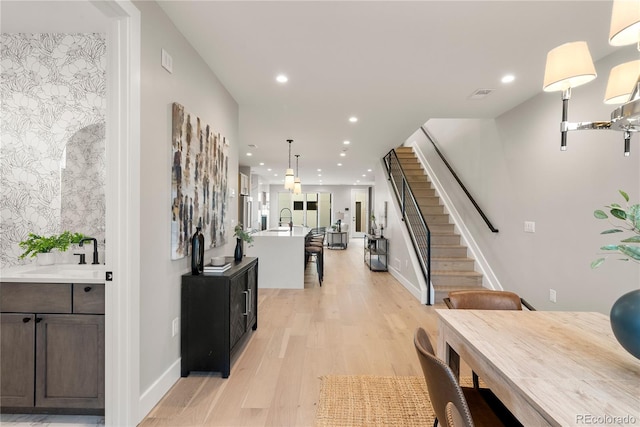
(451, 268)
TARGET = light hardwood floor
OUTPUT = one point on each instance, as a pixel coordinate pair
(358, 323)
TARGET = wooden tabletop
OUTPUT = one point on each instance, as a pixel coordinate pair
(548, 368)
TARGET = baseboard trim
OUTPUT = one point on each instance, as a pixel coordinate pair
(415, 291)
(158, 389)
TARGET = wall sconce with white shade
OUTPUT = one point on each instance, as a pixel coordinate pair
(288, 176)
(570, 65)
(297, 185)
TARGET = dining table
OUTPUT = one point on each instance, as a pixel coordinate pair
(549, 368)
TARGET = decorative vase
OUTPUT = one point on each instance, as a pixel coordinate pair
(197, 252)
(625, 321)
(45, 258)
(237, 255)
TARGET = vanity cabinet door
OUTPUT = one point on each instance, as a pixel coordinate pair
(17, 335)
(70, 361)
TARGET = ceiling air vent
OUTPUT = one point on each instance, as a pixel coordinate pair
(480, 93)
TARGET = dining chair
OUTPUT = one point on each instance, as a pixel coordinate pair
(454, 418)
(485, 299)
(443, 388)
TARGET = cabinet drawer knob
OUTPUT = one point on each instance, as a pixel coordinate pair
(87, 288)
(26, 319)
(38, 319)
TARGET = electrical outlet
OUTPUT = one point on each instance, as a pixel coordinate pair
(552, 295)
(175, 326)
(529, 227)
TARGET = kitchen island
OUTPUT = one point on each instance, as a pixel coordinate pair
(281, 255)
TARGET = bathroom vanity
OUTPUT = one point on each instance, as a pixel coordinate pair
(52, 339)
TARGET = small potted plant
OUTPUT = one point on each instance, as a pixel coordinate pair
(241, 236)
(42, 246)
(625, 312)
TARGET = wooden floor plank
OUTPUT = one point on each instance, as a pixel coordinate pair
(358, 323)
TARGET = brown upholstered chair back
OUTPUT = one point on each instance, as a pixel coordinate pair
(454, 418)
(484, 300)
(441, 382)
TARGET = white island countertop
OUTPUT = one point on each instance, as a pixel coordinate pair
(57, 273)
(281, 256)
(297, 231)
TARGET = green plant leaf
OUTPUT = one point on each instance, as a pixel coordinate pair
(625, 195)
(632, 239)
(597, 263)
(631, 251)
(612, 230)
(614, 205)
(600, 214)
(619, 213)
(609, 248)
(634, 215)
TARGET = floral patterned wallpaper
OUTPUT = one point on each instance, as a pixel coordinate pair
(52, 138)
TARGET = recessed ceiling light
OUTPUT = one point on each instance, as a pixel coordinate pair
(368, 170)
(261, 163)
(357, 180)
(353, 119)
(275, 174)
(346, 142)
(364, 174)
(343, 154)
(319, 170)
(319, 174)
(339, 164)
(269, 170)
(508, 78)
(282, 78)
(249, 154)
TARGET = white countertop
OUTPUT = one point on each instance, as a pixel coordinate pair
(297, 231)
(57, 273)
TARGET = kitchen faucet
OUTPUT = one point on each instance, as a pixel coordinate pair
(95, 247)
(290, 223)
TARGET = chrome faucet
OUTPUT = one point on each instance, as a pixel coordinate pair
(95, 247)
(290, 217)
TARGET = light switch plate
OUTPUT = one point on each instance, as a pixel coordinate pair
(529, 227)
(167, 61)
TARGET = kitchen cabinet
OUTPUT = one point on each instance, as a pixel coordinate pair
(376, 252)
(218, 313)
(52, 343)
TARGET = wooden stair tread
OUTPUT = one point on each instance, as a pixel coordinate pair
(456, 273)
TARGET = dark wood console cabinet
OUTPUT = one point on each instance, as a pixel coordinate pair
(218, 311)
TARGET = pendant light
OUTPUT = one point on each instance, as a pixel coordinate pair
(297, 185)
(288, 176)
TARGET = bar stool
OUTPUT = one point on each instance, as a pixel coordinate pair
(315, 249)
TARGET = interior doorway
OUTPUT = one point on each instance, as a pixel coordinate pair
(359, 209)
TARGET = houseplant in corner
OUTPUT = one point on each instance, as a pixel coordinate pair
(41, 246)
(241, 235)
(625, 312)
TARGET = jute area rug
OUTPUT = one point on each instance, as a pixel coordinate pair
(365, 400)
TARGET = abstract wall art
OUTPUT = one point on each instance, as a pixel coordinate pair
(199, 178)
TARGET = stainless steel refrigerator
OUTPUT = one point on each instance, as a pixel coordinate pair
(244, 211)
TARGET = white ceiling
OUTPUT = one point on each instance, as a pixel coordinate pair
(393, 64)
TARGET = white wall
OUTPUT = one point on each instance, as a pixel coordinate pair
(516, 172)
(193, 85)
